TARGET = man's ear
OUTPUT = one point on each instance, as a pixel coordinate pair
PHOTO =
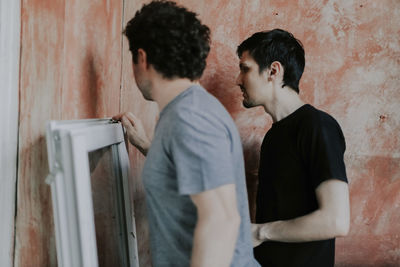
(276, 70)
(142, 58)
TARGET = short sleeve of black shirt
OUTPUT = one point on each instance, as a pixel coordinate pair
(322, 147)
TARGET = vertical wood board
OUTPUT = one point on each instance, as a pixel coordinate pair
(9, 77)
(42, 42)
(92, 59)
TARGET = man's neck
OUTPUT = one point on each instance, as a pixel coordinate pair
(286, 102)
(164, 91)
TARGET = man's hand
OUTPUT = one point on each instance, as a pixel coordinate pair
(135, 130)
(255, 233)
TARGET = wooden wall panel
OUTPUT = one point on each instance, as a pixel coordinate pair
(42, 41)
(92, 52)
(71, 69)
(9, 77)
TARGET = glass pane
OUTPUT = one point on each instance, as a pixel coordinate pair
(108, 208)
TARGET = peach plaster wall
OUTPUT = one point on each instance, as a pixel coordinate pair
(70, 69)
(75, 64)
(352, 72)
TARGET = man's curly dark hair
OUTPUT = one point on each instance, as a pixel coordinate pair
(175, 41)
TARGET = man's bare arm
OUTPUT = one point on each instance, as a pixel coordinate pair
(217, 227)
(330, 220)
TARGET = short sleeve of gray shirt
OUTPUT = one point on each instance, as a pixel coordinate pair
(201, 147)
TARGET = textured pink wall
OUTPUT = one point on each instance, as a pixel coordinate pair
(42, 24)
(76, 64)
(352, 71)
(70, 68)
(92, 59)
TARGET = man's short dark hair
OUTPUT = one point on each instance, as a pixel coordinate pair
(277, 45)
(175, 41)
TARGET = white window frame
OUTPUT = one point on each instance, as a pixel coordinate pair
(68, 145)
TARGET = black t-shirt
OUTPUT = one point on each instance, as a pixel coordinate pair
(297, 154)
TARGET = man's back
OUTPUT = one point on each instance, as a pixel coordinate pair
(182, 162)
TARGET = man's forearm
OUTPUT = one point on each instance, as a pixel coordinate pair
(311, 227)
(214, 242)
(144, 148)
(330, 220)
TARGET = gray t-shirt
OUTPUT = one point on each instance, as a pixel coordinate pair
(196, 147)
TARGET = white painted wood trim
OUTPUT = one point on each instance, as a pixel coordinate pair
(69, 143)
(9, 79)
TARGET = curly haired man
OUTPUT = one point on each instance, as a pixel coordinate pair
(194, 173)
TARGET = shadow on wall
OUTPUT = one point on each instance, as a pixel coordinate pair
(91, 93)
(34, 218)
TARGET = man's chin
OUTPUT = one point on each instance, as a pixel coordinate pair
(148, 98)
(146, 95)
(246, 104)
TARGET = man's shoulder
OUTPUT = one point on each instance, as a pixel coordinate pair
(318, 123)
(199, 106)
(313, 116)
(199, 100)
(197, 121)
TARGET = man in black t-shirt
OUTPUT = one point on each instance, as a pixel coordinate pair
(302, 199)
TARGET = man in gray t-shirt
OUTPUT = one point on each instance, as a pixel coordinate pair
(194, 173)
(196, 148)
